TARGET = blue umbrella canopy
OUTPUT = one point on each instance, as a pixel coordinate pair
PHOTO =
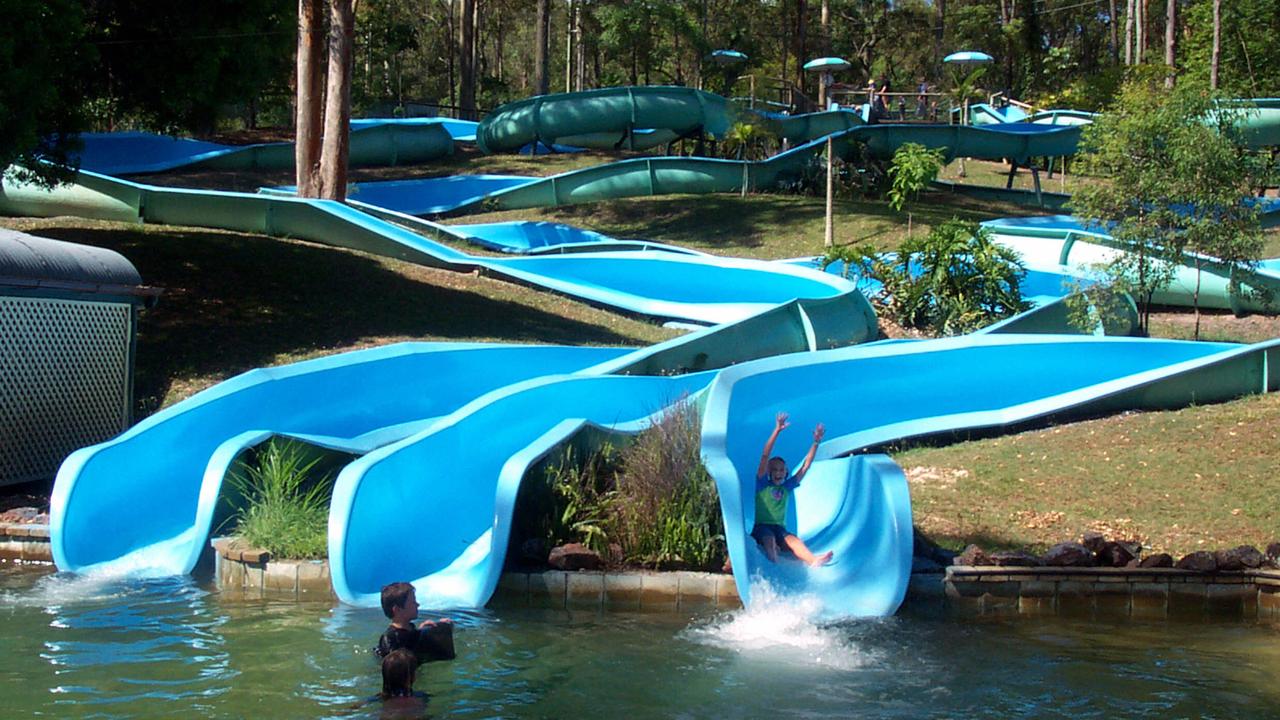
(727, 57)
(828, 64)
(968, 57)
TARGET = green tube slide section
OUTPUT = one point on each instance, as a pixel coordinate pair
(641, 177)
(1199, 280)
(605, 118)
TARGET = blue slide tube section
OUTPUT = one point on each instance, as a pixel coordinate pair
(702, 288)
(128, 153)
(875, 394)
(436, 508)
(146, 498)
(693, 288)
(529, 237)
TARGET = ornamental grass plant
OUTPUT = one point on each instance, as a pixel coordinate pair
(284, 506)
(651, 498)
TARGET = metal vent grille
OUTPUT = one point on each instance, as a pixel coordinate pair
(64, 380)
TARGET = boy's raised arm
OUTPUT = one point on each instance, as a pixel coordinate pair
(779, 424)
(818, 433)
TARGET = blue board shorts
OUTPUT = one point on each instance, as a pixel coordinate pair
(763, 530)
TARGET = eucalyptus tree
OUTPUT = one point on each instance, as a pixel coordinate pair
(42, 53)
(1176, 183)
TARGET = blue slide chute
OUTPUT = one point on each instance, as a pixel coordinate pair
(172, 463)
(872, 395)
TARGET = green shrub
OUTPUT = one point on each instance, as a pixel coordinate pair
(667, 510)
(652, 497)
(914, 167)
(954, 280)
(285, 502)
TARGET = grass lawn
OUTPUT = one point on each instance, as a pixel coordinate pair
(233, 302)
(767, 226)
(1201, 478)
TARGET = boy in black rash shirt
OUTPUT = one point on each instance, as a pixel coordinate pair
(433, 641)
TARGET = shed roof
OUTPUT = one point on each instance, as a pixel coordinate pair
(28, 261)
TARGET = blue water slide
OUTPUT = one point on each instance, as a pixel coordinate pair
(146, 498)
(436, 507)
(373, 142)
(875, 394)
(530, 237)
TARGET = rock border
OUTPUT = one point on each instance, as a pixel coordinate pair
(1100, 591)
(964, 590)
(26, 542)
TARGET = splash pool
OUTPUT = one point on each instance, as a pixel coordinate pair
(80, 646)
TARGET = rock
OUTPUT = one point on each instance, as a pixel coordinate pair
(1115, 554)
(1070, 554)
(1273, 554)
(1095, 541)
(534, 550)
(21, 515)
(1199, 561)
(972, 556)
(1159, 560)
(574, 556)
(1014, 558)
(1244, 557)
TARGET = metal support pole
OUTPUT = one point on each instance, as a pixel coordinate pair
(829, 239)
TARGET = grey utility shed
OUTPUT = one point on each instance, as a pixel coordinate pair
(68, 328)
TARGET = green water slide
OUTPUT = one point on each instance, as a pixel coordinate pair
(639, 118)
(639, 177)
(633, 117)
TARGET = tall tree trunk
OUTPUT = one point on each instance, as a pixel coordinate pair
(826, 27)
(337, 104)
(1128, 32)
(1215, 56)
(939, 28)
(801, 27)
(579, 51)
(452, 51)
(568, 46)
(306, 149)
(1170, 34)
(467, 60)
(541, 79)
(1140, 32)
(1115, 32)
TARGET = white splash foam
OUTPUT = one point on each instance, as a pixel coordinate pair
(782, 627)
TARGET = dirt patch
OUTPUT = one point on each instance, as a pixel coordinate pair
(1214, 325)
(935, 476)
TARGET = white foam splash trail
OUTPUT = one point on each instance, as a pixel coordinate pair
(781, 627)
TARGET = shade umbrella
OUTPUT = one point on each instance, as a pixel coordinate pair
(727, 57)
(968, 57)
(828, 64)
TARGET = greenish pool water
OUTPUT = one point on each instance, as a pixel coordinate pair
(83, 647)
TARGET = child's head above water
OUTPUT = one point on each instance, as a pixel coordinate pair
(777, 469)
(399, 602)
(398, 670)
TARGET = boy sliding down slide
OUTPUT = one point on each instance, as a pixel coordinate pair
(773, 493)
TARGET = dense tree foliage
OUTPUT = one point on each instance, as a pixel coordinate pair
(1179, 177)
(42, 63)
(175, 65)
(229, 63)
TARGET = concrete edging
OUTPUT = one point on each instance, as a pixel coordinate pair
(963, 590)
(25, 542)
(1131, 592)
